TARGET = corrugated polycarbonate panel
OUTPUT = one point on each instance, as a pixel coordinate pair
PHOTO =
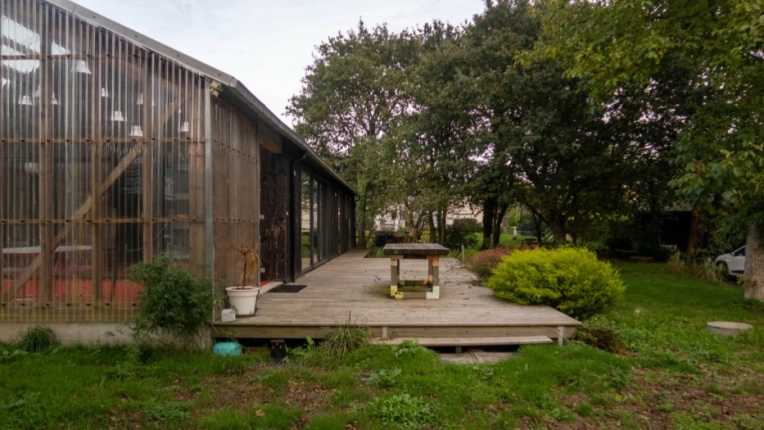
(102, 158)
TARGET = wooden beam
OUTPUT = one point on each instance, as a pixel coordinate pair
(46, 196)
(197, 191)
(97, 257)
(268, 138)
(146, 167)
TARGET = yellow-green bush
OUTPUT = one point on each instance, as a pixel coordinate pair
(571, 280)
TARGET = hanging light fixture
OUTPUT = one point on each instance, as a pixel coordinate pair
(32, 168)
(136, 131)
(53, 99)
(184, 127)
(80, 66)
(117, 116)
(104, 93)
(25, 101)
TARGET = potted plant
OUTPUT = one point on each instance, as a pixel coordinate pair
(243, 297)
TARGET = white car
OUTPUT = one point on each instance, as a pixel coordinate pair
(733, 262)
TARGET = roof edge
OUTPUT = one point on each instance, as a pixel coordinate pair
(237, 88)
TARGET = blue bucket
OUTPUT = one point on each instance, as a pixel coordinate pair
(228, 349)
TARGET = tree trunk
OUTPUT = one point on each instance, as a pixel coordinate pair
(489, 212)
(694, 240)
(754, 264)
(558, 233)
(442, 226)
(431, 222)
(497, 224)
(362, 224)
(538, 225)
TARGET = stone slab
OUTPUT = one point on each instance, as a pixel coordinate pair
(727, 328)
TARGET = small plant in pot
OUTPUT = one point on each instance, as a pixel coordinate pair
(243, 297)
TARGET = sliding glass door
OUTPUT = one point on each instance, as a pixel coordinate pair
(312, 242)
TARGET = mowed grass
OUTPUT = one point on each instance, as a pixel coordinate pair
(672, 374)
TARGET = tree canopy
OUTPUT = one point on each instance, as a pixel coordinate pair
(718, 49)
(581, 111)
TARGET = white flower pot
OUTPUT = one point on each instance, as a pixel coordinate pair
(243, 300)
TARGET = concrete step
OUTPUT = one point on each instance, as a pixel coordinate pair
(467, 341)
(475, 357)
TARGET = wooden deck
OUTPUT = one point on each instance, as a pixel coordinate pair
(358, 288)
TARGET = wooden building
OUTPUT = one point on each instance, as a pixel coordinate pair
(116, 149)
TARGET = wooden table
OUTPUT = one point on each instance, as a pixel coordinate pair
(427, 289)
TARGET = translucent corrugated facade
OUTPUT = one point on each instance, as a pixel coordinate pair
(103, 166)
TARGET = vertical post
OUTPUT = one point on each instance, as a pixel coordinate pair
(258, 199)
(3, 127)
(395, 270)
(462, 254)
(429, 270)
(95, 175)
(434, 278)
(560, 335)
(147, 163)
(46, 163)
(209, 224)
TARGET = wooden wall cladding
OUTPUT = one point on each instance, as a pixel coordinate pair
(274, 201)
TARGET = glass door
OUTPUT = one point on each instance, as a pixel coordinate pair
(311, 242)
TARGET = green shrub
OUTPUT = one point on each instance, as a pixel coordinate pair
(601, 333)
(571, 280)
(36, 339)
(461, 232)
(484, 262)
(173, 300)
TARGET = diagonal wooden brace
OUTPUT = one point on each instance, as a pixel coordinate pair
(34, 266)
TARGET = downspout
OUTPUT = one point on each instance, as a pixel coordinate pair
(211, 87)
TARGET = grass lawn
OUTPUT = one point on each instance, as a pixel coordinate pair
(672, 374)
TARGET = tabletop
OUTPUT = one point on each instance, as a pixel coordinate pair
(415, 249)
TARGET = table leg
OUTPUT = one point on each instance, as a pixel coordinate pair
(433, 269)
(395, 271)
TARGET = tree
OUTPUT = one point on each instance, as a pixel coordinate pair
(352, 100)
(719, 45)
(567, 160)
(439, 137)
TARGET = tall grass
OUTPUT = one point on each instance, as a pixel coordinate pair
(345, 337)
(36, 339)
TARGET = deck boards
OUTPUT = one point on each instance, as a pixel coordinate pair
(359, 287)
(476, 341)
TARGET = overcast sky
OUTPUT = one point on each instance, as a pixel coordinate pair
(268, 44)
